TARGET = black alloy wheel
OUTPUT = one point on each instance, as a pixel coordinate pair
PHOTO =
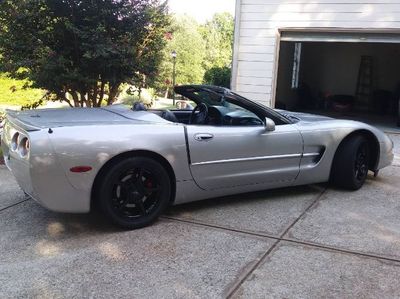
(135, 192)
(361, 163)
(351, 163)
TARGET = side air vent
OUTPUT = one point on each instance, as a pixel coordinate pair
(312, 157)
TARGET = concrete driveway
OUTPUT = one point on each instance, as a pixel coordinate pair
(305, 242)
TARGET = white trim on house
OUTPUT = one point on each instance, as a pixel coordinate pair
(338, 35)
(236, 46)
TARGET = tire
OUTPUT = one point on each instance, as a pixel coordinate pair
(134, 192)
(351, 163)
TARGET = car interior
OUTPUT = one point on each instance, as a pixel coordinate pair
(202, 106)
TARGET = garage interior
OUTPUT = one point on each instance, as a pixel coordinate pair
(344, 75)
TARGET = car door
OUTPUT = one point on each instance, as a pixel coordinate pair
(224, 157)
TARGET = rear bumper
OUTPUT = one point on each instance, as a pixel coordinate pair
(49, 187)
(42, 177)
(21, 174)
(20, 170)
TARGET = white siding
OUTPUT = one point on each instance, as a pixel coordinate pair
(258, 22)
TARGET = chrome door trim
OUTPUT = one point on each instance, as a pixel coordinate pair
(248, 159)
(257, 159)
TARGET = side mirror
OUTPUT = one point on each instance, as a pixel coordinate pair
(269, 125)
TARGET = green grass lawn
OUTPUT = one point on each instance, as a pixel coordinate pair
(16, 93)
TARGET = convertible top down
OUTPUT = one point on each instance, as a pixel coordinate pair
(133, 163)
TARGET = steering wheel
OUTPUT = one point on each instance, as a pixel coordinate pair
(199, 114)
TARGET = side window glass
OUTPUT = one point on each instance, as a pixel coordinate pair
(185, 105)
(239, 116)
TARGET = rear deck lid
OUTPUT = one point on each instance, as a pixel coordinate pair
(31, 120)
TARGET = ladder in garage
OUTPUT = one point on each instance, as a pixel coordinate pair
(365, 84)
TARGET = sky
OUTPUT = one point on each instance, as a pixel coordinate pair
(201, 10)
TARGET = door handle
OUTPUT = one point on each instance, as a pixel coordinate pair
(203, 137)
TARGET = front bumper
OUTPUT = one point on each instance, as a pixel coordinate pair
(386, 153)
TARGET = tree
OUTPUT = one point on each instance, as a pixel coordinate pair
(186, 40)
(82, 51)
(220, 76)
(218, 36)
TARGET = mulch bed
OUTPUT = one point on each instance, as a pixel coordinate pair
(1, 161)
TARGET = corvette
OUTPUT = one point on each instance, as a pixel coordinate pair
(133, 163)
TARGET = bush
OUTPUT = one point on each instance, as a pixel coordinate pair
(130, 95)
(2, 115)
(220, 76)
(15, 92)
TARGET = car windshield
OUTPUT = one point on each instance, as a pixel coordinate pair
(212, 99)
(219, 96)
(209, 98)
(273, 114)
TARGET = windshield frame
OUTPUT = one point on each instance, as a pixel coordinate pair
(258, 109)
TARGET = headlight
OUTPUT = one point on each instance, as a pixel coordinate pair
(23, 147)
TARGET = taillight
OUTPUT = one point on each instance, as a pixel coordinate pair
(20, 144)
(15, 141)
(23, 147)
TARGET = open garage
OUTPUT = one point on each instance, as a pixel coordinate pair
(342, 74)
(339, 58)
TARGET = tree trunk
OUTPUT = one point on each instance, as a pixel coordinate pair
(75, 97)
(93, 96)
(113, 93)
(103, 84)
(62, 97)
(140, 93)
(84, 99)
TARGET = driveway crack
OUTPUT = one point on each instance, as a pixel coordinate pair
(281, 238)
(15, 204)
(310, 207)
(238, 283)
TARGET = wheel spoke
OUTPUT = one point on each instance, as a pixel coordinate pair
(124, 186)
(361, 168)
(134, 193)
(139, 204)
(138, 175)
(127, 185)
(150, 190)
(140, 188)
(120, 203)
(144, 185)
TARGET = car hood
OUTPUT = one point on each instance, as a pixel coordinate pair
(304, 117)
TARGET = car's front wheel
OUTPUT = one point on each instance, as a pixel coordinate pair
(351, 163)
(134, 192)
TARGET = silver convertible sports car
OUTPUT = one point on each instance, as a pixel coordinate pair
(133, 163)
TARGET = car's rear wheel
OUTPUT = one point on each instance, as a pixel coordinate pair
(351, 163)
(134, 192)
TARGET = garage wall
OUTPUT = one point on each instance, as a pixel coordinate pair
(258, 21)
(334, 67)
